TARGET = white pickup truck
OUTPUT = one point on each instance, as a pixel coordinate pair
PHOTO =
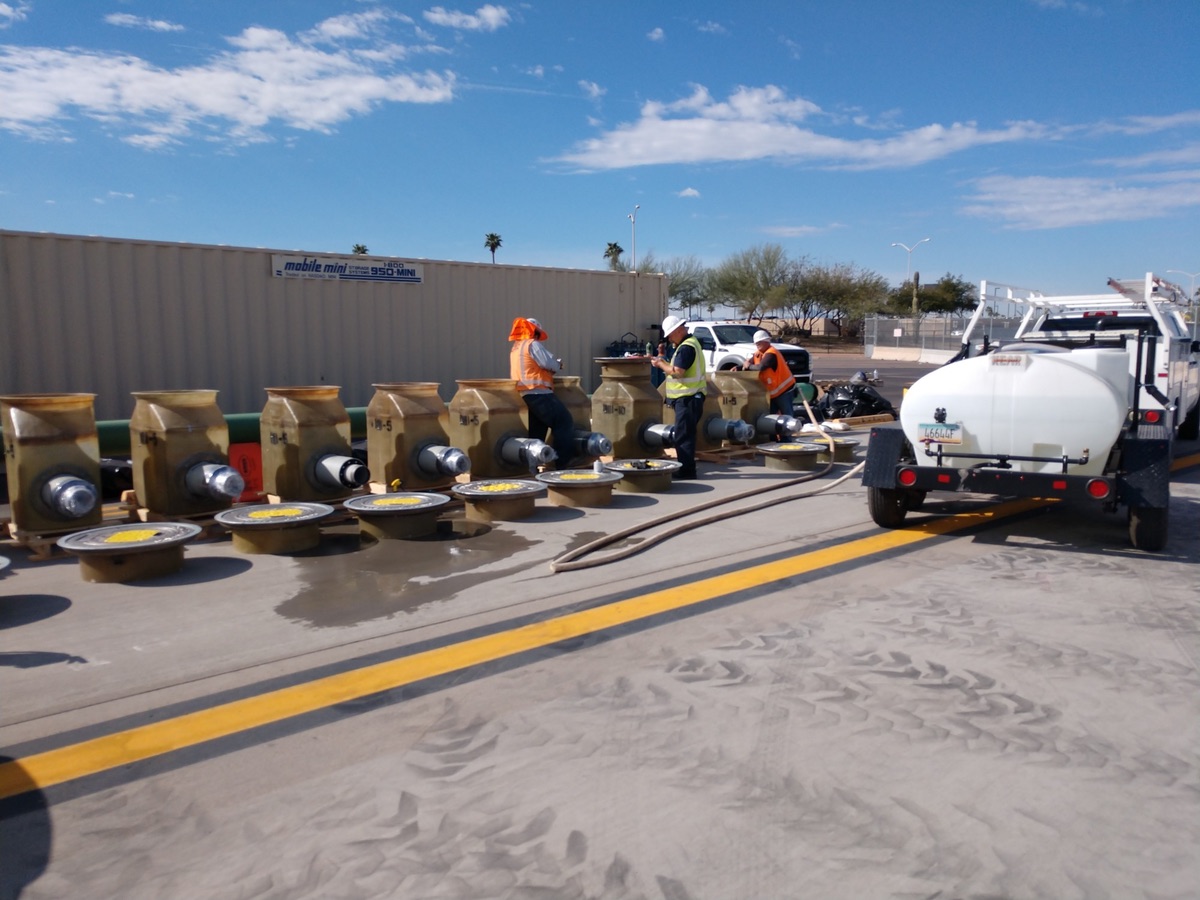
(727, 345)
(1084, 404)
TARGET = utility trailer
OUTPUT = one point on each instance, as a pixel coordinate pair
(1084, 404)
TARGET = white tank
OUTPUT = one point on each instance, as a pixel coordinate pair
(1023, 401)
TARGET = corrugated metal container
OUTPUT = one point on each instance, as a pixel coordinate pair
(111, 316)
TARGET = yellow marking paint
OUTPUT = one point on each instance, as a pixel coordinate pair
(68, 763)
(1185, 462)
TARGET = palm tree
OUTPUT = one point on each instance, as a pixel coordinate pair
(613, 255)
(491, 241)
(359, 250)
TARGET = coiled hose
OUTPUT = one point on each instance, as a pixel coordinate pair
(570, 561)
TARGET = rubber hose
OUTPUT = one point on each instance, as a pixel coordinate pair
(567, 561)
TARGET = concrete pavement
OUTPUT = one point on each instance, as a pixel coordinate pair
(789, 703)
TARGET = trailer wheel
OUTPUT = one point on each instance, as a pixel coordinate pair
(1189, 428)
(914, 500)
(1148, 528)
(887, 507)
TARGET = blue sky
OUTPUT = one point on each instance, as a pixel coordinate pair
(1043, 143)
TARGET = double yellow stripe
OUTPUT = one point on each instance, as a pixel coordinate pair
(89, 757)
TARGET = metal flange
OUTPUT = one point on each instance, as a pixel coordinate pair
(580, 487)
(130, 552)
(274, 527)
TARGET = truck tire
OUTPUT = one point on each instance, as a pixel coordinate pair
(887, 507)
(914, 500)
(1148, 528)
(1189, 428)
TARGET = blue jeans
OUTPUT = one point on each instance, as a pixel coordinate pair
(687, 419)
(782, 405)
(547, 413)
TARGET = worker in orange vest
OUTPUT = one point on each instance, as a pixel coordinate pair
(773, 372)
(532, 367)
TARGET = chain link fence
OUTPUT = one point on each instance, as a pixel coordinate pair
(934, 333)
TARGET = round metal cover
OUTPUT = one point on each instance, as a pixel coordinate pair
(396, 504)
(581, 478)
(644, 466)
(272, 515)
(129, 538)
(498, 489)
(783, 447)
(4, 561)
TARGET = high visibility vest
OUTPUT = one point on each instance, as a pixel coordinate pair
(693, 380)
(524, 370)
(778, 379)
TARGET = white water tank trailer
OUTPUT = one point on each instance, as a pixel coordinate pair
(1084, 405)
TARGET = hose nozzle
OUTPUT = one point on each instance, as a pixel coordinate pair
(592, 443)
(519, 451)
(778, 426)
(434, 460)
(70, 496)
(215, 480)
(341, 472)
(735, 430)
(659, 436)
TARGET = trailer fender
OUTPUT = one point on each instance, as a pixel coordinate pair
(1145, 478)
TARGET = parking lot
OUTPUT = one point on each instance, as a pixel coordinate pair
(1000, 700)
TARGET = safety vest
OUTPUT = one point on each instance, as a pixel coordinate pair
(693, 380)
(524, 370)
(778, 379)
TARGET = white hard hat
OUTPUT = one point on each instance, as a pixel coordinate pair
(670, 323)
(761, 335)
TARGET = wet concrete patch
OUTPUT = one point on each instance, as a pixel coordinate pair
(386, 578)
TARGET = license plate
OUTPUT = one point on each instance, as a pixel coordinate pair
(940, 433)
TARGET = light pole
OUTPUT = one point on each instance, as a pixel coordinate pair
(1191, 294)
(632, 217)
(908, 276)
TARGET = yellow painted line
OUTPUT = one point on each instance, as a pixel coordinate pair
(89, 757)
(1185, 462)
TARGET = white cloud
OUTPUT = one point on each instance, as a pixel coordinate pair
(1187, 155)
(266, 77)
(761, 123)
(593, 90)
(127, 20)
(1038, 202)
(486, 18)
(657, 35)
(536, 71)
(796, 231)
(711, 28)
(688, 192)
(112, 195)
(10, 14)
(352, 26)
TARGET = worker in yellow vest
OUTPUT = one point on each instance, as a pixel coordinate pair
(532, 366)
(773, 372)
(685, 384)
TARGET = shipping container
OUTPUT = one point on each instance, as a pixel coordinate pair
(111, 316)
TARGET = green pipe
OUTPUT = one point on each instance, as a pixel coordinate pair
(113, 434)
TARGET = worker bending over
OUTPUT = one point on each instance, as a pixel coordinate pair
(685, 384)
(773, 372)
(532, 367)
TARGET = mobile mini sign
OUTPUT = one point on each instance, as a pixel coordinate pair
(338, 268)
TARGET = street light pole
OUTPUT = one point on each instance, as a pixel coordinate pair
(1191, 294)
(632, 217)
(908, 276)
